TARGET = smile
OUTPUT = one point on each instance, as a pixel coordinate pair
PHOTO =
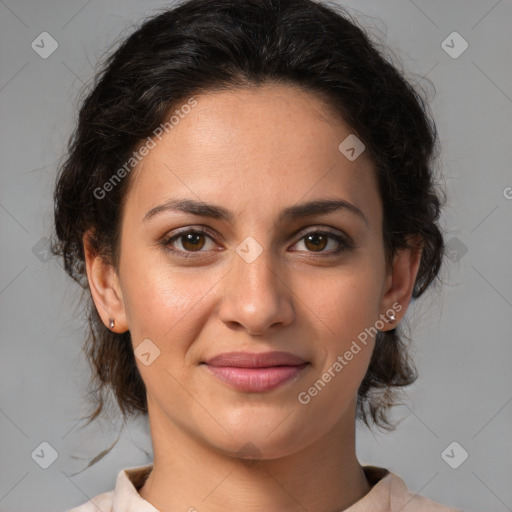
(255, 372)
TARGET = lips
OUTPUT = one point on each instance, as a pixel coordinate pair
(256, 372)
(255, 360)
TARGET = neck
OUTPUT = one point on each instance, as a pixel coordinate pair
(189, 474)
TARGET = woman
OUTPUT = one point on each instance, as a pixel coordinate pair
(250, 204)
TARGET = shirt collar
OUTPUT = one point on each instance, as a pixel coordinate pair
(387, 492)
(126, 496)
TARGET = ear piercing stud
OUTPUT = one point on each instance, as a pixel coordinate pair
(392, 317)
(112, 323)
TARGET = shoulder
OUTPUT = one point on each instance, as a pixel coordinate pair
(391, 490)
(124, 497)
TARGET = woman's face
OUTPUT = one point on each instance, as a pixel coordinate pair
(256, 278)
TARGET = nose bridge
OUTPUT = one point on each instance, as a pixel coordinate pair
(255, 296)
(255, 264)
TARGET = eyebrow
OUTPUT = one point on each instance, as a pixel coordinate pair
(295, 212)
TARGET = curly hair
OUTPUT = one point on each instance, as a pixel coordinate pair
(200, 46)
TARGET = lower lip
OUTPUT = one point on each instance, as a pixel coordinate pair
(256, 379)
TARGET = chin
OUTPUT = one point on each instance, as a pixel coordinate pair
(270, 436)
(252, 450)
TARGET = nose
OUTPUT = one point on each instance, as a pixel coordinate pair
(255, 295)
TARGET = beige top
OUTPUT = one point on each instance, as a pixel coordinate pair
(388, 494)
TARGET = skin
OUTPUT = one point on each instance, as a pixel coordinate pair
(253, 152)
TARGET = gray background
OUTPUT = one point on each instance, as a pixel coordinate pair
(462, 333)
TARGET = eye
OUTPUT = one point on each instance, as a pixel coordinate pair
(317, 241)
(190, 240)
(186, 242)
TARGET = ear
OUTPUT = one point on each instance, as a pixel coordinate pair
(397, 291)
(105, 288)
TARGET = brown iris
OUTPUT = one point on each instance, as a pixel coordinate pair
(315, 237)
(192, 239)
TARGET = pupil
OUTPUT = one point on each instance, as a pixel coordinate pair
(192, 238)
(314, 237)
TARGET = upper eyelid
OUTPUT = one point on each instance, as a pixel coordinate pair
(312, 229)
(186, 229)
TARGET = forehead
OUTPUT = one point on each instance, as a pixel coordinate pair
(271, 146)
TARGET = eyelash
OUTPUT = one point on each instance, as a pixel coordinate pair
(167, 241)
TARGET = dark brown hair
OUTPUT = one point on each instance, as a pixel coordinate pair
(204, 45)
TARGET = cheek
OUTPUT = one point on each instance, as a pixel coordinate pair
(157, 300)
(168, 308)
(346, 301)
(345, 350)
(348, 305)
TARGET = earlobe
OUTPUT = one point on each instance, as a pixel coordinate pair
(105, 288)
(400, 283)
